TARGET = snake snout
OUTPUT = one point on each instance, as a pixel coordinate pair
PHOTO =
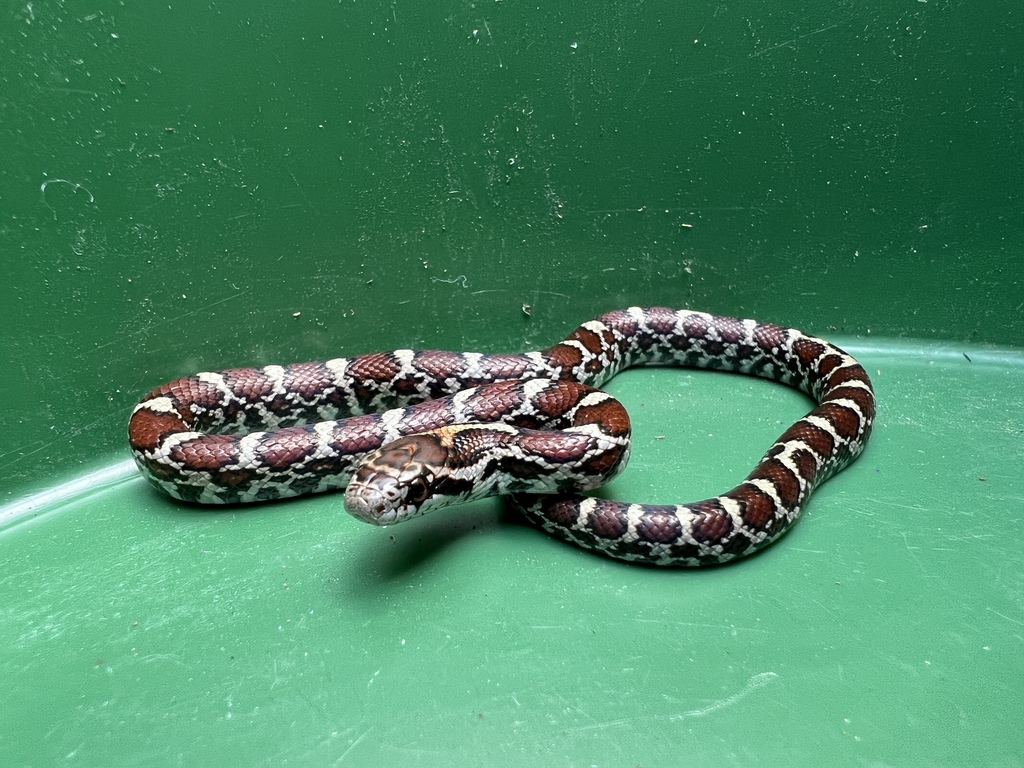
(369, 504)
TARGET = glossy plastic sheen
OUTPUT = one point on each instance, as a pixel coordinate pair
(199, 185)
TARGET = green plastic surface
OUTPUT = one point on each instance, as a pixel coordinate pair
(199, 185)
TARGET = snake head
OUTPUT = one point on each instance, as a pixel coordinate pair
(398, 480)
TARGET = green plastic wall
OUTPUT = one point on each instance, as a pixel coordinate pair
(196, 185)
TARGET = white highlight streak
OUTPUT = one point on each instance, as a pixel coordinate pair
(66, 491)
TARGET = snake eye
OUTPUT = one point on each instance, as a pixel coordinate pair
(418, 490)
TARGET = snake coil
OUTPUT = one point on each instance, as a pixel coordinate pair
(408, 431)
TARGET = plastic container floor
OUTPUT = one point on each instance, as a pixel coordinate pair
(140, 632)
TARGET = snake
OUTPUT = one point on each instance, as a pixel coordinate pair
(405, 432)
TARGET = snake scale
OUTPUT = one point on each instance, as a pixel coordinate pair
(408, 431)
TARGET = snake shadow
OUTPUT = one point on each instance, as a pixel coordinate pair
(396, 552)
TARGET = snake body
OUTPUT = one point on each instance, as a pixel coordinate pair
(407, 431)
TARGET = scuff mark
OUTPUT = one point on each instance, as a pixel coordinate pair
(756, 681)
(760, 680)
(75, 186)
(457, 280)
(352, 746)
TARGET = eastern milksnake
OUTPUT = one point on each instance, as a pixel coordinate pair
(465, 425)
